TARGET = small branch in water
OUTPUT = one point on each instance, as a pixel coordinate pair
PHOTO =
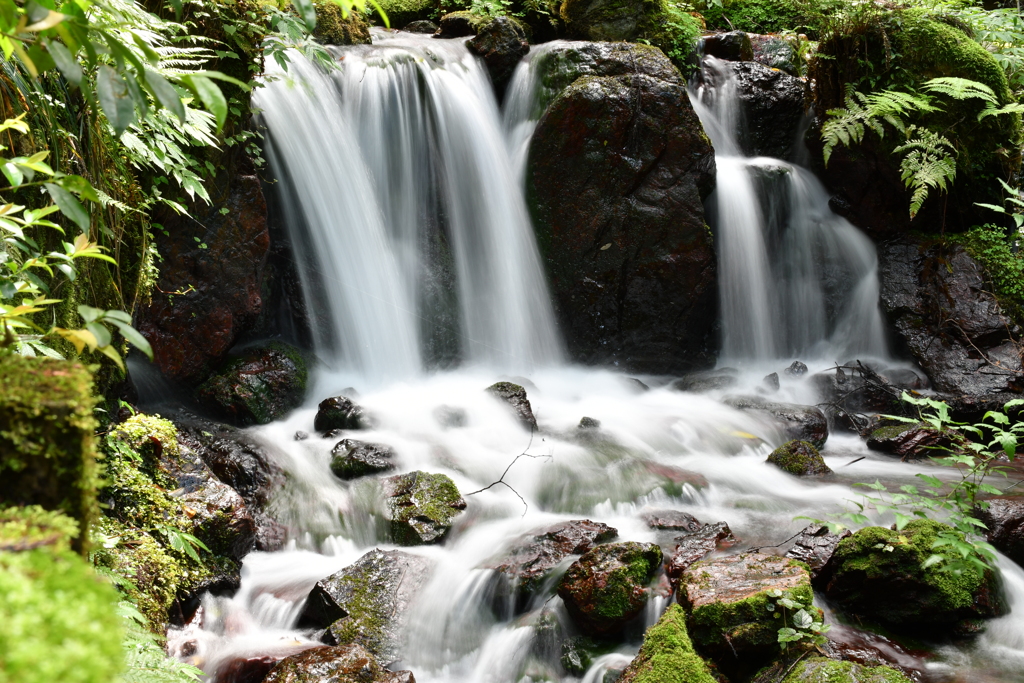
(856, 460)
(501, 480)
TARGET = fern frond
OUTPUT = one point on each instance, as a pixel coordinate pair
(929, 163)
(1012, 108)
(898, 103)
(847, 126)
(961, 89)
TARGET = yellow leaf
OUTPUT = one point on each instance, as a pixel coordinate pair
(51, 20)
(78, 338)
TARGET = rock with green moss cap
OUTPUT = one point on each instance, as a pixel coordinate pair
(606, 587)
(351, 459)
(909, 441)
(344, 664)
(367, 603)
(817, 669)
(667, 654)
(733, 46)
(402, 12)
(732, 614)
(461, 24)
(260, 385)
(340, 412)
(334, 28)
(421, 507)
(47, 447)
(515, 396)
(878, 575)
(799, 458)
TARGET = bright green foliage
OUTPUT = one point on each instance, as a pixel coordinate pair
(145, 659)
(820, 669)
(768, 16)
(30, 527)
(800, 621)
(990, 246)
(667, 655)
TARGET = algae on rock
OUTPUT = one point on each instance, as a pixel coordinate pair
(421, 507)
(667, 654)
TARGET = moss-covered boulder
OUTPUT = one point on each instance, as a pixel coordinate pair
(351, 459)
(258, 386)
(799, 458)
(732, 606)
(515, 396)
(460, 24)
(367, 603)
(606, 587)
(421, 507)
(345, 664)
(878, 575)
(817, 669)
(340, 412)
(47, 447)
(334, 28)
(910, 441)
(667, 654)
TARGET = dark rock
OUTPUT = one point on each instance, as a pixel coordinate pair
(796, 369)
(501, 43)
(637, 385)
(700, 382)
(259, 386)
(301, 435)
(815, 546)
(589, 423)
(605, 589)
(672, 520)
(801, 423)
(618, 168)
(219, 518)
(601, 20)
(878, 575)
(695, 546)
(771, 382)
(799, 458)
(515, 396)
(734, 46)
(909, 441)
(851, 644)
(421, 26)
(1005, 521)
(775, 53)
(245, 670)
(460, 24)
(367, 603)
(340, 412)
(421, 507)
(208, 292)
(449, 416)
(351, 459)
(344, 664)
(577, 655)
(954, 328)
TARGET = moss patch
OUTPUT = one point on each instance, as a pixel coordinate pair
(31, 527)
(824, 670)
(799, 458)
(421, 507)
(667, 655)
(771, 16)
(333, 28)
(402, 12)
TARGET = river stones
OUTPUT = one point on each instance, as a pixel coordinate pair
(908, 441)
(605, 589)
(345, 664)
(501, 43)
(532, 558)
(815, 546)
(696, 545)
(803, 423)
(799, 458)
(260, 385)
(672, 520)
(1005, 521)
(339, 412)
(734, 46)
(731, 609)
(420, 507)
(877, 575)
(515, 396)
(351, 459)
(667, 654)
(366, 603)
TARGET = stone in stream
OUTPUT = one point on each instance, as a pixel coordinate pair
(245, 669)
(420, 26)
(344, 664)
(877, 575)
(1005, 521)
(606, 588)
(796, 369)
(909, 441)
(696, 545)
(733, 46)
(515, 396)
(700, 382)
(351, 459)
(775, 53)
(501, 43)
(421, 507)
(460, 24)
(816, 669)
(771, 382)
(339, 412)
(667, 654)
(803, 423)
(799, 458)
(366, 603)
(814, 547)
(672, 520)
(732, 611)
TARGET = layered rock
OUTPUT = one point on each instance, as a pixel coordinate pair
(421, 507)
(1005, 521)
(909, 441)
(800, 423)
(696, 545)
(346, 664)
(814, 546)
(501, 44)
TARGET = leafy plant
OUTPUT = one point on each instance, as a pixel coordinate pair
(800, 622)
(145, 659)
(182, 541)
(1013, 204)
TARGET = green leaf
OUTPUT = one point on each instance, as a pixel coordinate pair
(69, 205)
(115, 99)
(165, 94)
(307, 11)
(65, 61)
(134, 338)
(211, 97)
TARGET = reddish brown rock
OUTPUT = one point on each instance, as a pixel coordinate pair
(344, 664)
(672, 520)
(696, 546)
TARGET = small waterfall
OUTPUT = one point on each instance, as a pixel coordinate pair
(795, 278)
(412, 234)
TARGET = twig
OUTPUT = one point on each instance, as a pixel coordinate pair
(501, 479)
(853, 461)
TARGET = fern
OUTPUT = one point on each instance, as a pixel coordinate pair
(929, 162)
(847, 126)
(145, 659)
(962, 89)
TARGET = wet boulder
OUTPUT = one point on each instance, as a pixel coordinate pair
(1005, 521)
(734, 46)
(731, 606)
(260, 385)
(799, 458)
(245, 669)
(800, 423)
(618, 168)
(701, 382)
(501, 43)
(696, 545)
(515, 396)
(814, 669)
(367, 603)
(421, 507)
(351, 459)
(460, 24)
(344, 664)
(909, 441)
(877, 575)
(667, 654)
(340, 412)
(938, 302)
(606, 588)
(220, 518)
(420, 26)
(815, 546)
(775, 53)
(672, 520)
(532, 558)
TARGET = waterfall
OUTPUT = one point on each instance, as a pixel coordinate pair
(411, 234)
(795, 278)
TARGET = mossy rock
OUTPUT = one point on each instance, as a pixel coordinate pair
(260, 385)
(402, 12)
(877, 574)
(421, 507)
(334, 28)
(799, 458)
(818, 669)
(462, 23)
(667, 654)
(47, 447)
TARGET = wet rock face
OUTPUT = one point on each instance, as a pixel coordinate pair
(345, 664)
(532, 558)
(696, 545)
(460, 24)
(339, 412)
(420, 26)
(800, 423)
(259, 386)
(877, 575)
(215, 262)
(1005, 521)
(421, 507)
(366, 603)
(799, 458)
(618, 168)
(815, 546)
(937, 301)
(515, 396)
(672, 520)
(605, 589)
(604, 20)
(501, 43)
(775, 53)
(734, 46)
(351, 459)
(908, 441)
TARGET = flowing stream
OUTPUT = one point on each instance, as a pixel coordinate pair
(404, 149)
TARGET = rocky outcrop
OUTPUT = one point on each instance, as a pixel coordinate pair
(345, 664)
(800, 423)
(501, 44)
(460, 24)
(696, 545)
(667, 654)
(605, 589)
(1004, 518)
(339, 412)
(208, 293)
(351, 459)
(936, 299)
(815, 546)
(420, 507)
(799, 458)
(515, 396)
(367, 603)
(260, 385)
(618, 168)
(775, 53)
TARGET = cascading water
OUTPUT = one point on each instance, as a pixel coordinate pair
(795, 278)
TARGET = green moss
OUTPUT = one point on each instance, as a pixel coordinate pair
(402, 12)
(47, 449)
(667, 655)
(892, 431)
(771, 16)
(822, 670)
(989, 245)
(799, 458)
(57, 620)
(333, 28)
(422, 507)
(26, 528)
